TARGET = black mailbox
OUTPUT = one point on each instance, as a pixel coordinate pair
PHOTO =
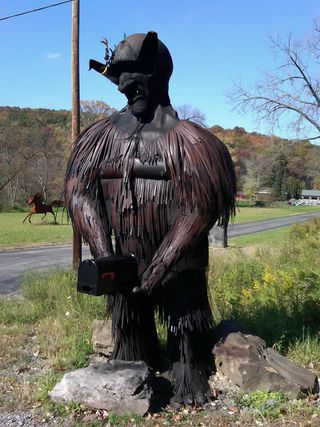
(101, 276)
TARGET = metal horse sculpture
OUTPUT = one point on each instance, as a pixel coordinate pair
(40, 208)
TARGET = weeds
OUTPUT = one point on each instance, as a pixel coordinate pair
(124, 420)
(45, 332)
(265, 404)
(275, 295)
(45, 385)
(305, 350)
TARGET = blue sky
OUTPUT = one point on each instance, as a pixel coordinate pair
(212, 42)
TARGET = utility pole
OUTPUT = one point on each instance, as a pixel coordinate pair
(75, 120)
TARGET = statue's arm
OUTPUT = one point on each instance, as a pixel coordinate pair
(187, 231)
(89, 218)
(83, 194)
(203, 175)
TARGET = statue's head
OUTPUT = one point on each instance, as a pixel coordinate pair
(141, 67)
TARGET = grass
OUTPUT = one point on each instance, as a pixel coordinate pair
(272, 293)
(15, 234)
(306, 350)
(265, 404)
(62, 316)
(43, 332)
(246, 214)
(274, 238)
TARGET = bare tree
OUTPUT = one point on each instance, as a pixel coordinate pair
(16, 152)
(187, 112)
(290, 95)
(91, 111)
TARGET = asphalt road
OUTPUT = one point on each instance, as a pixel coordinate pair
(235, 230)
(13, 263)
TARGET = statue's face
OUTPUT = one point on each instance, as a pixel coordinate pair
(141, 93)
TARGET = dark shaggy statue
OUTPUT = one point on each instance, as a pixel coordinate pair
(158, 184)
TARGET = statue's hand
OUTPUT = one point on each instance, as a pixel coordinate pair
(145, 286)
(139, 291)
(149, 283)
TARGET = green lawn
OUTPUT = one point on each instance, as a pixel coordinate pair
(274, 238)
(260, 214)
(273, 294)
(14, 234)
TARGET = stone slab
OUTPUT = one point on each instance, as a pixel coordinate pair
(118, 386)
(248, 363)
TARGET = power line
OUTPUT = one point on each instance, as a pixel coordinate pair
(35, 10)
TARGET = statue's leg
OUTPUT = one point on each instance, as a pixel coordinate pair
(133, 328)
(186, 309)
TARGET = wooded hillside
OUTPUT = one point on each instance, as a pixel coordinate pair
(35, 145)
(284, 166)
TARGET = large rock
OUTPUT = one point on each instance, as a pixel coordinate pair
(102, 337)
(118, 386)
(248, 363)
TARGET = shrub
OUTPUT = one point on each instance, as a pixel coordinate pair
(276, 296)
(245, 203)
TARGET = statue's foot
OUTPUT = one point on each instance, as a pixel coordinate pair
(200, 399)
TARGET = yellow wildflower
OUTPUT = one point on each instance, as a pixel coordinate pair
(268, 277)
(255, 285)
(245, 292)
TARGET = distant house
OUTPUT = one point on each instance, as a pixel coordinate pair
(264, 194)
(310, 194)
(240, 196)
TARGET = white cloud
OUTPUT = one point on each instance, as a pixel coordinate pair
(52, 55)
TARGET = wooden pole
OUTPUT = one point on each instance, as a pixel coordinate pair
(75, 120)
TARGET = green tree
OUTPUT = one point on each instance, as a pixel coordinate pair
(250, 182)
(293, 189)
(280, 176)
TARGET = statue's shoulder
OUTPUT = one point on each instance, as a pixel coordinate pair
(92, 142)
(97, 127)
(193, 133)
(201, 168)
